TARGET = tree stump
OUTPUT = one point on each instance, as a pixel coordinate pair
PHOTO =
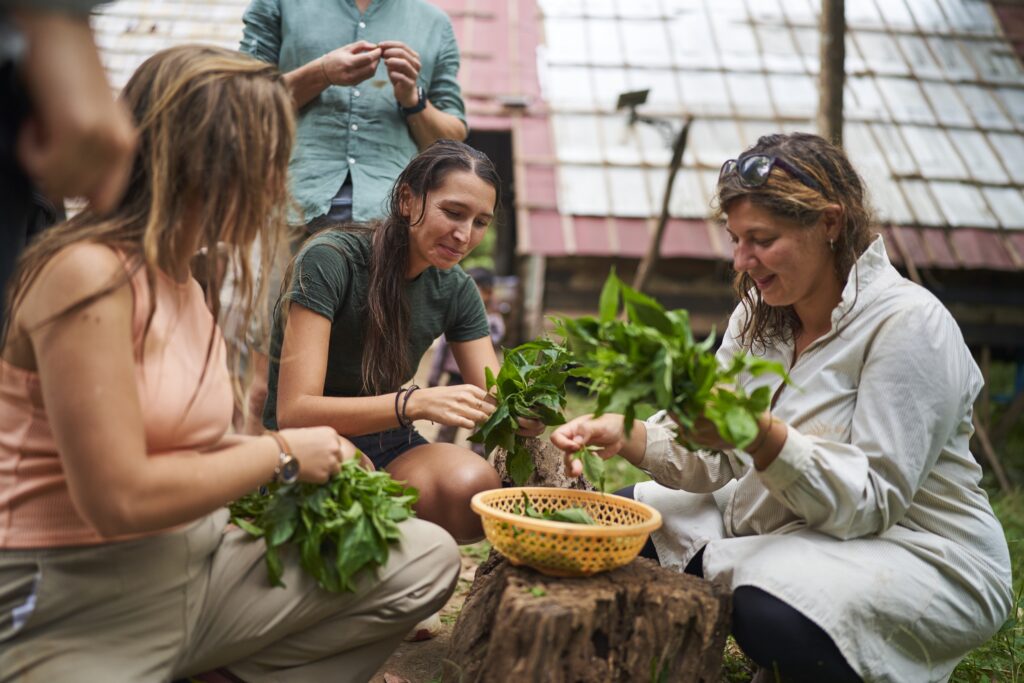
(640, 622)
(548, 464)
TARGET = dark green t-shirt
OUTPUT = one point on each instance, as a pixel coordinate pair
(331, 278)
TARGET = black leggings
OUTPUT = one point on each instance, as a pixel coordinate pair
(773, 634)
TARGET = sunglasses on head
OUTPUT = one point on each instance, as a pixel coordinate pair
(755, 169)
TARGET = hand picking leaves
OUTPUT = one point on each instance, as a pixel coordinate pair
(531, 384)
(593, 465)
(340, 528)
(651, 358)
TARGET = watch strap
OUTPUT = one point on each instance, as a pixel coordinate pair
(420, 105)
(284, 454)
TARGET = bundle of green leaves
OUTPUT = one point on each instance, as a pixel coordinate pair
(650, 359)
(339, 528)
(531, 384)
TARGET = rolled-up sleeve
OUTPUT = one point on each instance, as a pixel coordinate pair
(673, 466)
(915, 392)
(261, 31)
(444, 91)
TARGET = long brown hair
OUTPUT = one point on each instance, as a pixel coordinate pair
(215, 135)
(787, 197)
(386, 312)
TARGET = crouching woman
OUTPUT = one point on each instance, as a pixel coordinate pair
(853, 530)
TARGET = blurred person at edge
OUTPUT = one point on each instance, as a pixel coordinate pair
(853, 530)
(117, 562)
(62, 134)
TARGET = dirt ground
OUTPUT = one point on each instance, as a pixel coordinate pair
(421, 662)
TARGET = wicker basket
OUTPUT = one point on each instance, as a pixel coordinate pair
(561, 548)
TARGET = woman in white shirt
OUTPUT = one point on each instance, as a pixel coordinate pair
(853, 530)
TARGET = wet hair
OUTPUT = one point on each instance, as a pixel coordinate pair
(215, 135)
(787, 197)
(387, 314)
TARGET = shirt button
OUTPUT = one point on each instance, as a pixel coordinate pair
(362, 24)
(355, 127)
(355, 93)
(351, 161)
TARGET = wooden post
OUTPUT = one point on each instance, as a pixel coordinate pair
(991, 457)
(832, 71)
(533, 296)
(650, 259)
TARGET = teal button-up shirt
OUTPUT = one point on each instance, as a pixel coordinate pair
(355, 130)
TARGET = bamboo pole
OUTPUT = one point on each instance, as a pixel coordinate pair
(650, 259)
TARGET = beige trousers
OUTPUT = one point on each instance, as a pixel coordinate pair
(198, 598)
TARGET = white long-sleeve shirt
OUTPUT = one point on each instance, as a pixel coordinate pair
(871, 520)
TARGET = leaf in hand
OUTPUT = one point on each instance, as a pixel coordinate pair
(650, 359)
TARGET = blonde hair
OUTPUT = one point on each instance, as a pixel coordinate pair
(215, 135)
(786, 196)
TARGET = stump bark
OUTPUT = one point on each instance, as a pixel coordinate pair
(548, 464)
(640, 622)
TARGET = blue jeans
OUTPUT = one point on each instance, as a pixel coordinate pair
(383, 447)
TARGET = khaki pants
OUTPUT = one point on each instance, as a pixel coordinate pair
(198, 598)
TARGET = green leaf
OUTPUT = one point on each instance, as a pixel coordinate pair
(519, 465)
(574, 515)
(609, 304)
(247, 526)
(593, 467)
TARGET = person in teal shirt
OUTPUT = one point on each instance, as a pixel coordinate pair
(374, 81)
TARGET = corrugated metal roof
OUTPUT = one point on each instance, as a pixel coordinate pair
(934, 107)
(934, 115)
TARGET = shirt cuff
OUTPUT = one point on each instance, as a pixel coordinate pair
(660, 439)
(791, 463)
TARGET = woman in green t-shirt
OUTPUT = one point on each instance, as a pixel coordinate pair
(363, 306)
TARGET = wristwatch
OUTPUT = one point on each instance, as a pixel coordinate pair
(420, 105)
(287, 470)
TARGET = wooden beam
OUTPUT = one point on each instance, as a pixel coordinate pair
(832, 70)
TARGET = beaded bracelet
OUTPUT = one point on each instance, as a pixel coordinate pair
(406, 421)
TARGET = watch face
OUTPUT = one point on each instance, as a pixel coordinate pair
(290, 470)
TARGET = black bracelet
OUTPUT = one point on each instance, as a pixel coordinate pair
(406, 422)
(398, 415)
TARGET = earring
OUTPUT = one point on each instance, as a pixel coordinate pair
(831, 245)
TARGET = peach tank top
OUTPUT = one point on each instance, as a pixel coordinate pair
(35, 507)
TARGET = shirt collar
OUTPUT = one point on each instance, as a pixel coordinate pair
(870, 268)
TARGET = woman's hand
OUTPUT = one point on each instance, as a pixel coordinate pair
(462, 405)
(704, 434)
(320, 452)
(530, 427)
(606, 432)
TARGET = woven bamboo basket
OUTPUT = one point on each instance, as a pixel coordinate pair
(561, 548)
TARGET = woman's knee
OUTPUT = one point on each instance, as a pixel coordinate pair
(432, 559)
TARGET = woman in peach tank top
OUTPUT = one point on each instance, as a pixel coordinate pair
(116, 559)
